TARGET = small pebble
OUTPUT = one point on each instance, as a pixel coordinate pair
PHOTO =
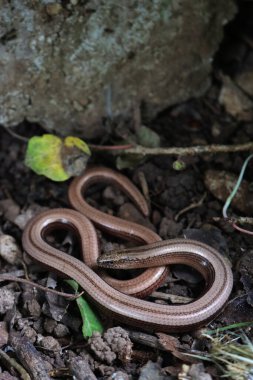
(119, 375)
(7, 300)
(80, 369)
(9, 250)
(220, 183)
(38, 325)
(105, 370)
(49, 325)
(33, 308)
(50, 343)
(53, 9)
(22, 323)
(61, 330)
(22, 219)
(112, 194)
(30, 333)
(151, 371)
(9, 209)
(235, 101)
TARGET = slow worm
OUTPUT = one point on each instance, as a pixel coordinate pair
(122, 307)
(150, 279)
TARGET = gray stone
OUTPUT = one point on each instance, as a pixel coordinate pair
(67, 65)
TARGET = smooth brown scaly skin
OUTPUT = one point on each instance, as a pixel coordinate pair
(123, 307)
(150, 279)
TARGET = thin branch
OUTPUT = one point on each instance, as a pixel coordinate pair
(11, 363)
(190, 207)
(7, 277)
(243, 230)
(189, 151)
(16, 135)
(144, 187)
(172, 297)
(234, 219)
(110, 147)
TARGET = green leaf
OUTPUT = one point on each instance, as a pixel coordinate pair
(90, 321)
(179, 165)
(147, 137)
(55, 158)
(74, 285)
(237, 325)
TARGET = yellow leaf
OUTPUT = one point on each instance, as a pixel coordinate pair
(56, 159)
(72, 141)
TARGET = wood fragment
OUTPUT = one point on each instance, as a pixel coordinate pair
(172, 297)
(145, 339)
(80, 369)
(144, 187)
(29, 357)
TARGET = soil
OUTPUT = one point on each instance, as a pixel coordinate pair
(42, 331)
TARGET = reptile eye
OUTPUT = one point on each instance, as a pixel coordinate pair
(204, 263)
(103, 262)
(109, 262)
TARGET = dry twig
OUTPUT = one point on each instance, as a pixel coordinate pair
(189, 151)
(11, 363)
(7, 277)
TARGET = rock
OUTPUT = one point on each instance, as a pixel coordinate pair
(119, 375)
(9, 209)
(151, 371)
(235, 101)
(49, 325)
(198, 371)
(69, 65)
(245, 81)
(30, 334)
(80, 369)
(22, 219)
(32, 308)
(221, 184)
